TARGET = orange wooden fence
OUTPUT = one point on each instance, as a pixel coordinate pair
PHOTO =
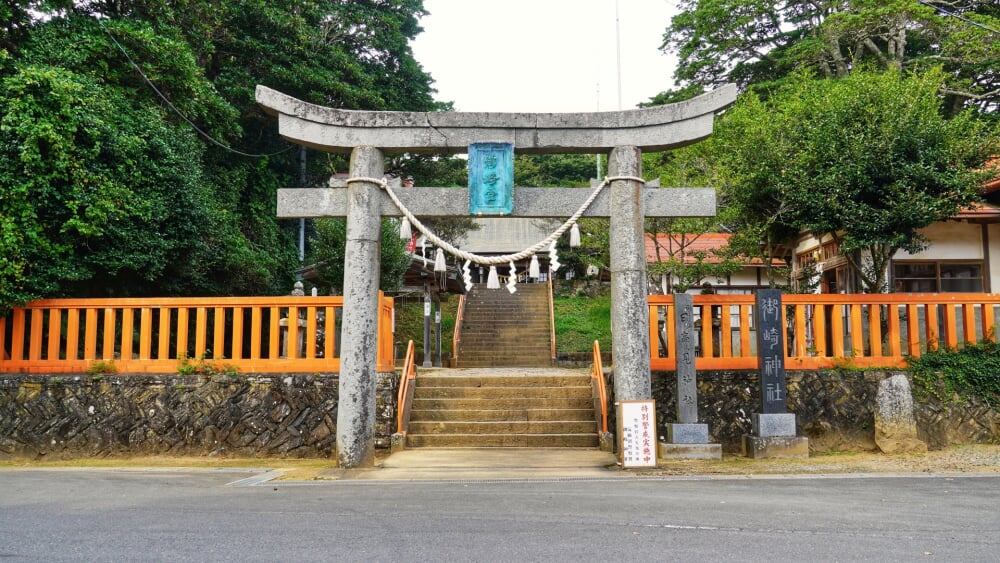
(828, 330)
(155, 335)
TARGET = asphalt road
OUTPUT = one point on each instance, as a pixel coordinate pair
(177, 515)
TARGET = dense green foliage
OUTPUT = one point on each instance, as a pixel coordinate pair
(329, 248)
(861, 120)
(108, 191)
(757, 43)
(951, 374)
(867, 160)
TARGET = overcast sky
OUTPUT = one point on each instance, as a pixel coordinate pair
(544, 55)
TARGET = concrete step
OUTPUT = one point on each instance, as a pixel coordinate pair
(498, 415)
(504, 427)
(505, 362)
(424, 392)
(503, 381)
(516, 403)
(506, 357)
(512, 338)
(503, 440)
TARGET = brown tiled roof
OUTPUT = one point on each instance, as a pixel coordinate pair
(979, 211)
(709, 243)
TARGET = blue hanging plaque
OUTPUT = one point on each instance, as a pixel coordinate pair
(491, 178)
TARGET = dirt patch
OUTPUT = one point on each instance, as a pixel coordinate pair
(957, 459)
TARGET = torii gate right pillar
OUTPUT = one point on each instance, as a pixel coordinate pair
(629, 310)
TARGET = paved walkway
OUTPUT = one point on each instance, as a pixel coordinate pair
(436, 464)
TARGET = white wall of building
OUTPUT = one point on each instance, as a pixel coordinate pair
(951, 240)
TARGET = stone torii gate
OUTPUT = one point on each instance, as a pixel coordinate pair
(369, 135)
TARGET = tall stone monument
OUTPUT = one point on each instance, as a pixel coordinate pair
(774, 434)
(687, 438)
(369, 135)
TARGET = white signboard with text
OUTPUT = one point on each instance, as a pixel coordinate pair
(637, 428)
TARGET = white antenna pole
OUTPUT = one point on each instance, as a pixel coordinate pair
(598, 109)
(618, 47)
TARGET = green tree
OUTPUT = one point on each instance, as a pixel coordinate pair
(867, 160)
(106, 189)
(328, 249)
(752, 42)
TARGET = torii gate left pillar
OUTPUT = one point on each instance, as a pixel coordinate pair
(359, 345)
(622, 134)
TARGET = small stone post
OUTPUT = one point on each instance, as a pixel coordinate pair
(428, 356)
(895, 425)
(687, 439)
(437, 330)
(359, 333)
(629, 309)
(773, 427)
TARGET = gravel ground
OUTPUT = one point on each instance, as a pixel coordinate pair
(958, 459)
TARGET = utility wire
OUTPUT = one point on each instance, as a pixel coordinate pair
(177, 111)
(959, 16)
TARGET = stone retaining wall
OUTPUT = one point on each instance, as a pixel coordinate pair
(295, 415)
(834, 409)
(290, 415)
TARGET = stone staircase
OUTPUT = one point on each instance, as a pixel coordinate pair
(512, 407)
(504, 329)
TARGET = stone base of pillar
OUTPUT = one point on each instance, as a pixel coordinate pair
(397, 443)
(688, 441)
(775, 447)
(774, 438)
(606, 442)
(689, 451)
(687, 433)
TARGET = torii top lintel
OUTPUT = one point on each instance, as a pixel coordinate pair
(651, 129)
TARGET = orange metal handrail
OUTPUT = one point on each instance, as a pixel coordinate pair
(552, 318)
(405, 398)
(154, 335)
(827, 330)
(456, 337)
(597, 378)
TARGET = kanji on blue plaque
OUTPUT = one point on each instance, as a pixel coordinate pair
(491, 178)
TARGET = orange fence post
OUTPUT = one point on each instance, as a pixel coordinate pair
(90, 336)
(273, 351)
(181, 344)
(55, 333)
(72, 334)
(950, 326)
(969, 323)
(875, 329)
(219, 333)
(128, 328)
(819, 330)
(3, 341)
(200, 332)
(895, 336)
(931, 328)
(330, 334)
(256, 322)
(726, 331)
(988, 321)
(163, 348)
(800, 330)
(35, 335)
(237, 341)
(913, 330)
(145, 333)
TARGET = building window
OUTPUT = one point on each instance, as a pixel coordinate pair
(938, 277)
